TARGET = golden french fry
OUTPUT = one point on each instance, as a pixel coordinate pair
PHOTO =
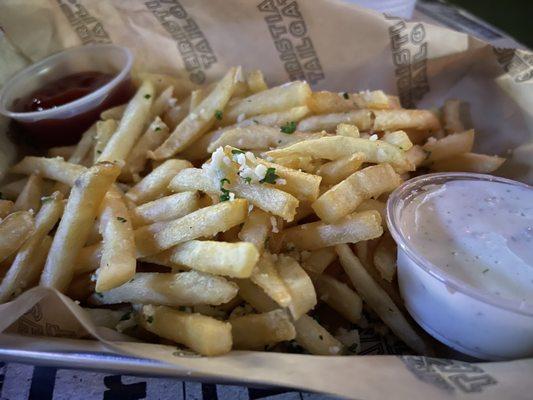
(115, 113)
(88, 259)
(256, 229)
(205, 222)
(235, 260)
(378, 300)
(104, 131)
(14, 230)
(328, 102)
(6, 206)
(266, 276)
(451, 114)
(261, 195)
(181, 86)
(156, 134)
(315, 338)
(165, 208)
(258, 137)
(255, 296)
(398, 138)
(171, 289)
(30, 258)
(299, 284)
(163, 102)
(56, 169)
(30, 197)
(154, 185)
(205, 335)
(339, 296)
(393, 120)
(449, 146)
(337, 170)
(416, 155)
(199, 120)
(176, 113)
(197, 96)
(344, 198)
(347, 130)
(279, 98)
(61, 151)
(12, 189)
(362, 119)
(385, 257)
(80, 211)
(84, 145)
(379, 206)
(469, 162)
(256, 81)
(118, 262)
(131, 125)
(255, 331)
(317, 261)
(351, 229)
(335, 147)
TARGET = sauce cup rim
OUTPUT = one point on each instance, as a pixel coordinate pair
(396, 203)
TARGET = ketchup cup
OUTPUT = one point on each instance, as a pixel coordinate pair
(63, 124)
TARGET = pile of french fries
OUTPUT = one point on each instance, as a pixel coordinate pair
(221, 217)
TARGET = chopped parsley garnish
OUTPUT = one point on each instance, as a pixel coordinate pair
(289, 127)
(352, 348)
(485, 271)
(346, 95)
(147, 96)
(121, 219)
(248, 180)
(270, 176)
(98, 151)
(126, 316)
(321, 337)
(225, 194)
(236, 151)
(218, 114)
(157, 128)
(150, 319)
(224, 180)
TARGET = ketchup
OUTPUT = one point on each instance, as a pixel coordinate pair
(61, 132)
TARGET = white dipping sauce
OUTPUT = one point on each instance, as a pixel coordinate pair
(479, 232)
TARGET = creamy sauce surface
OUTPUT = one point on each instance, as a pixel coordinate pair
(477, 231)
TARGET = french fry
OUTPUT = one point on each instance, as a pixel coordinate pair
(154, 185)
(30, 197)
(449, 146)
(378, 300)
(256, 81)
(115, 113)
(351, 229)
(317, 261)
(339, 296)
(394, 120)
(385, 257)
(469, 162)
(12, 189)
(205, 335)
(14, 230)
(205, 222)
(156, 134)
(88, 259)
(278, 118)
(347, 130)
(171, 289)
(81, 287)
(416, 155)
(258, 137)
(451, 114)
(197, 96)
(398, 138)
(266, 276)
(344, 198)
(163, 102)
(56, 169)
(235, 260)
(264, 196)
(199, 121)
(279, 98)
(181, 86)
(83, 146)
(315, 338)
(165, 208)
(379, 206)
(176, 113)
(299, 284)
(255, 331)
(118, 262)
(80, 211)
(335, 171)
(362, 119)
(131, 125)
(104, 130)
(328, 102)
(256, 229)
(255, 296)
(6, 206)
(61, 151)
(30, 258)
(335, 147)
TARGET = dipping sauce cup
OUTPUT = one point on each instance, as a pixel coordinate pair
(469, 281)
(107, 67)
